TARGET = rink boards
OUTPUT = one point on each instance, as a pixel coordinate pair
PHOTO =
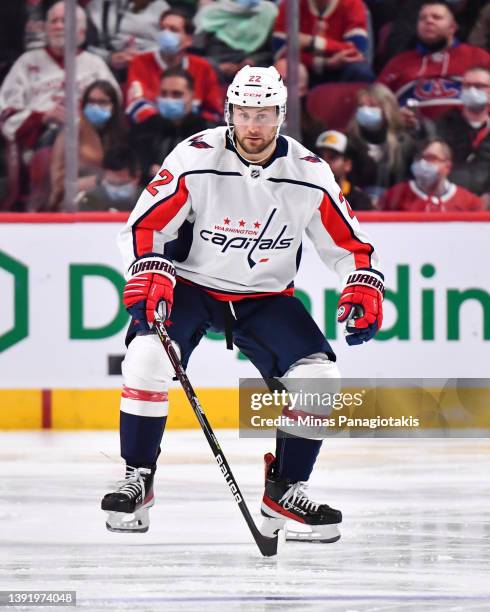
(62, 327)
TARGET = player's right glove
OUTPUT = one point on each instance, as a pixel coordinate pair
(361, 305)
(150, 289)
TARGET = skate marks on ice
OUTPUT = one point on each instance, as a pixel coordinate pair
(415, 536)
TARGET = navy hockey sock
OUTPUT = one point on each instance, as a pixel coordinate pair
(295, 457)
(140, 439)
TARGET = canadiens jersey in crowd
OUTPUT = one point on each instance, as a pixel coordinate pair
(409, 198)
(342, 23)
(432, 79)
(236, 228)
(144, 75)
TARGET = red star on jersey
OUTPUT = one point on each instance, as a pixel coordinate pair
(226, 221)
(257, 225)
(242, 223)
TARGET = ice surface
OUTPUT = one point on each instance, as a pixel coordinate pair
(415, 536)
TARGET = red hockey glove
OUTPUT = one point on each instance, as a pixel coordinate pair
(150, 289)
(361, 306)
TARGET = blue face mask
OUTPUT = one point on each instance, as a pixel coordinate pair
(426, 174)
(97, 115)
(171, 108)
(168, 42)
(249, 4)
(125, 191)
(369, 117)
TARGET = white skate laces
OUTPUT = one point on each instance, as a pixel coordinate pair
(134, 483)
(296, 494)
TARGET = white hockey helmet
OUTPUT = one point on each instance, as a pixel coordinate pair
(253, 86)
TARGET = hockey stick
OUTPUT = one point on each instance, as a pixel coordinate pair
(267, 546)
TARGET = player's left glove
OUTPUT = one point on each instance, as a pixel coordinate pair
(361, 305)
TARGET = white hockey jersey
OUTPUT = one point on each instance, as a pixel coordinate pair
(236, 228)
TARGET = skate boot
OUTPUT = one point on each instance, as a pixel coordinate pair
(127, 507)
(285, 505)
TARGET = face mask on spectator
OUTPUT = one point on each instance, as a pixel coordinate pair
(168, 41)
(125, 191)
(250, 4)
(171, 108)
(426, 174)
(369, 117)
(97, 115)
(474, 99)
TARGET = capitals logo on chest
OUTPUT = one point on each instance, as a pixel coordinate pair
(254, 239)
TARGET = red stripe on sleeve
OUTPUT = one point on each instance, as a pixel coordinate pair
(343, 234)
(158, 217)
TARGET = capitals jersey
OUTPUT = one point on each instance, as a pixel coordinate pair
(236, 228)
(432, 79)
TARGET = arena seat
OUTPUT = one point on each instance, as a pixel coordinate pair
(333, 104)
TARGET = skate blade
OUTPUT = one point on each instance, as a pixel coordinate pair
(325, 534)
(125, 522)
(272, 526)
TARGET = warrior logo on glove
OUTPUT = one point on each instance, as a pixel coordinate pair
(150, 289)
(361, 306)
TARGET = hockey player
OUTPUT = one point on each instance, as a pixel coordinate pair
(214, 243)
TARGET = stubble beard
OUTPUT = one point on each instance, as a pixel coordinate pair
(258, 148)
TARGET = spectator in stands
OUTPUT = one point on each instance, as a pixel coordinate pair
(309, 126)
(480, 34)
(118, 187)
(381, 147)
(332, 147)
(154, 138)
(125, 29)
(466, 129)
(333, 39)
(430, 191)
(403, 31)
(431, 73)
(102, 127)
(236, 33)
(32, 97)
(146, 70)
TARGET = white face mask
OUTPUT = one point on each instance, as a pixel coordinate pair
(125, 191)
(426, 174)
(474, 99)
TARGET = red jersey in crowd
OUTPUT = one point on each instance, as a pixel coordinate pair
(407, 197)
(342, 23)
(432, 79)
(144, 75)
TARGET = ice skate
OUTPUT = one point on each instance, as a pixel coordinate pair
(128, 506)
(285, 505)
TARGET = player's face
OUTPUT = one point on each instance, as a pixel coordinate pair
(435, 23)
(255, 127)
